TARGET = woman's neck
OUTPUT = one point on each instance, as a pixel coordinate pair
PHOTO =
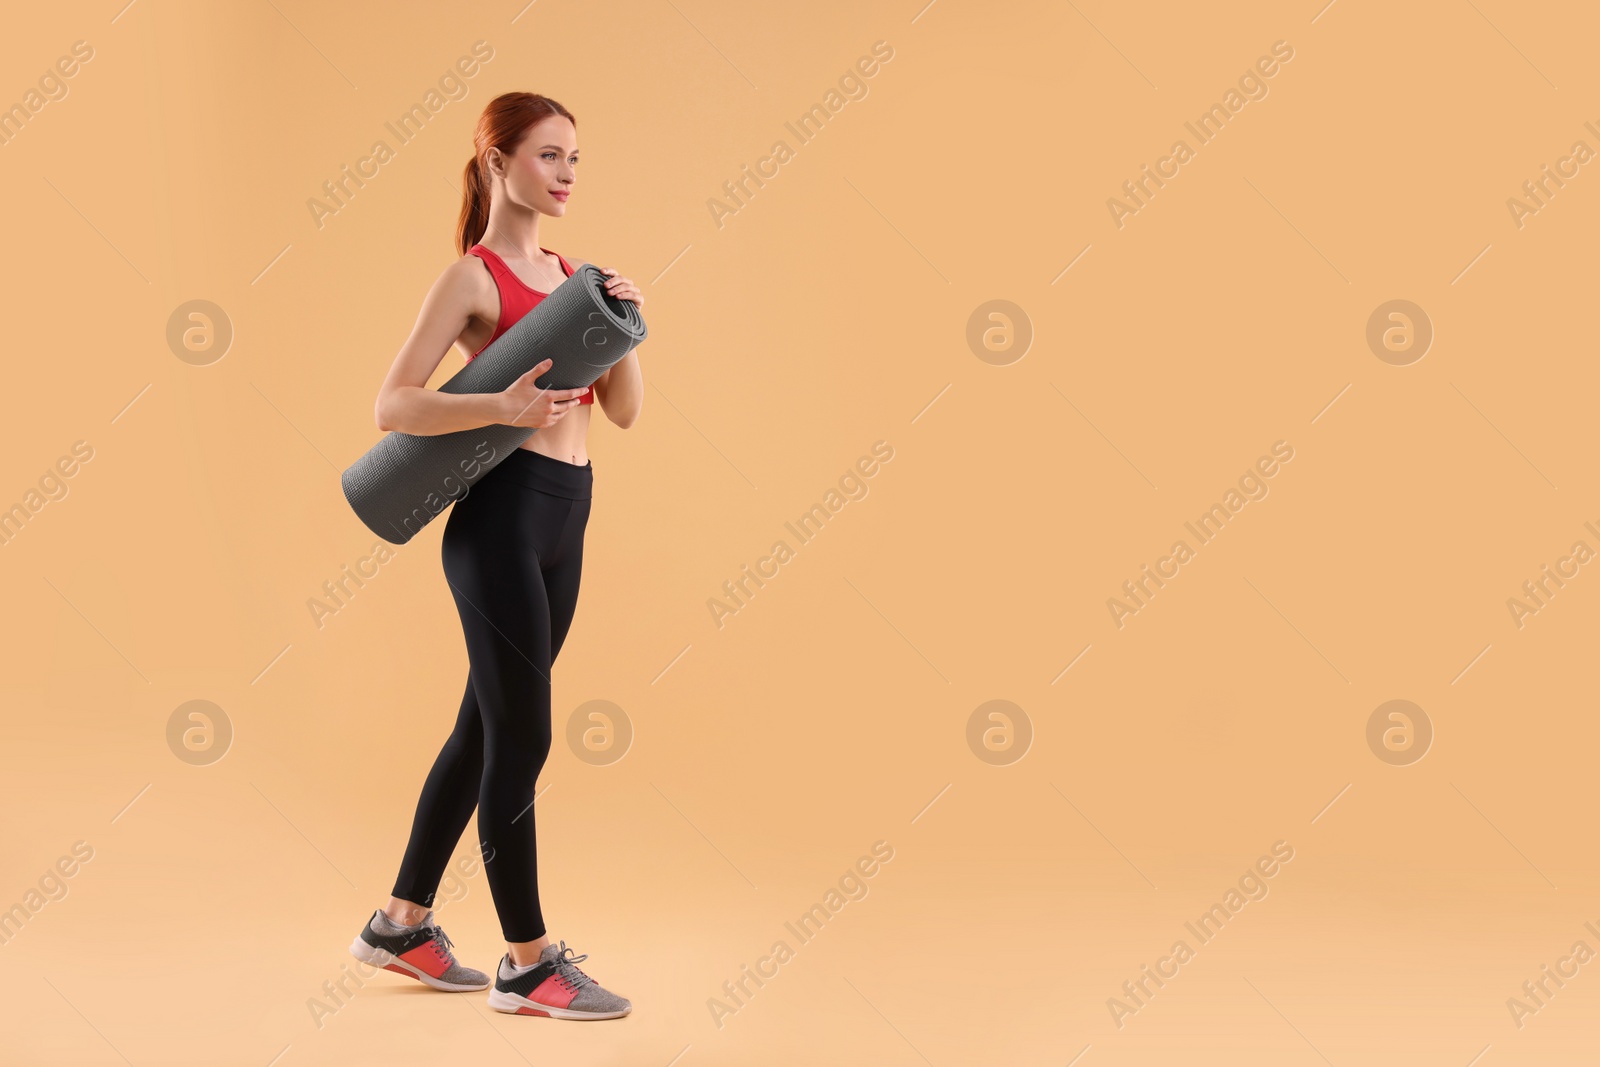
(517, 232)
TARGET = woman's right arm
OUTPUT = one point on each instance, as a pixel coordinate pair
(404, 401)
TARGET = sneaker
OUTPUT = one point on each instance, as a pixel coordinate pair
(554, 988)
(421, 951)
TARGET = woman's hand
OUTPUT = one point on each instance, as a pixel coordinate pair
(622, 288)
(526, 404)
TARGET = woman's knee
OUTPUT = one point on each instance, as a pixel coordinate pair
(539, 751)
(521, 754)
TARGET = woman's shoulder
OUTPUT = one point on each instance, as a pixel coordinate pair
(474, 259)
(467, 272)
(465, 284)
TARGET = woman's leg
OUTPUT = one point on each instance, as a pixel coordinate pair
(562, 573)
(395, 938)
(506, 620)
(492, 560)
(448, 796)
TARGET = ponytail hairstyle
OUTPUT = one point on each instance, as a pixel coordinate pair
(505, 121)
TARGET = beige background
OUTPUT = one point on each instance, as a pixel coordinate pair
(832, 711)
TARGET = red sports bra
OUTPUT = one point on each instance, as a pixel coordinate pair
(517, 298)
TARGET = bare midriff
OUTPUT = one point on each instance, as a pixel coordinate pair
(567, 440)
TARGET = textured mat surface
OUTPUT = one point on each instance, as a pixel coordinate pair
(405, 481)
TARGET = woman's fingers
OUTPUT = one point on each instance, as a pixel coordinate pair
(622, 288)
(537, 370)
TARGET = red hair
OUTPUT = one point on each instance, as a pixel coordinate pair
(504, 123)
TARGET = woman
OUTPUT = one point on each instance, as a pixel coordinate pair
(512, 551)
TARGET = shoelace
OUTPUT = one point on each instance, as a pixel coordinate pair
(567, 969)
(441, 944)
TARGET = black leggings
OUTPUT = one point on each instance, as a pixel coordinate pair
(513, 551)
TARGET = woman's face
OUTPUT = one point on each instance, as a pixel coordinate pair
(542, 171)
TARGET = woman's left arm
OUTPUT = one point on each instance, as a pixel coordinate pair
(620, 390)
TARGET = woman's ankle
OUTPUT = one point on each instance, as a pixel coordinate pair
(404, 912)
(526, 952)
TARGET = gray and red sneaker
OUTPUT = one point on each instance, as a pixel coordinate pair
(554, 988)
(421, 951)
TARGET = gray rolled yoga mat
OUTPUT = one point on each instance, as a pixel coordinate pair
(404, 481)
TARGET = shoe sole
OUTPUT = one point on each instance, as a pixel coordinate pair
(513, 1004)
(382, 957)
